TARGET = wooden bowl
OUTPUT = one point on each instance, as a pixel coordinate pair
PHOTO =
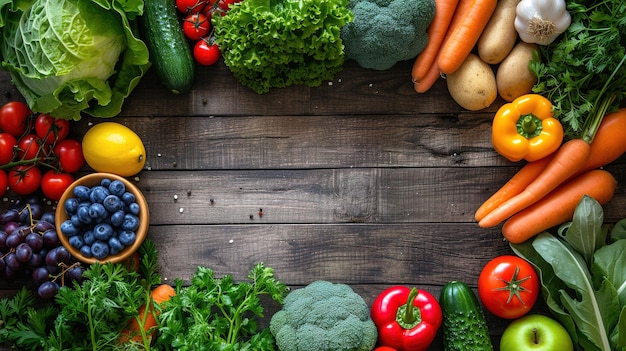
(91, 180)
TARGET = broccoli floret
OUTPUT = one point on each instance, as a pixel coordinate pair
(385, 32)
(324, 316)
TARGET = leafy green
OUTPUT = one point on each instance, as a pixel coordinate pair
(218, 313)
(86, 316)
(583, 276)
(72, 56)
(277, 43)
(583, 71)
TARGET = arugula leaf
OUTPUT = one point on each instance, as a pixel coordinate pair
(588, 295)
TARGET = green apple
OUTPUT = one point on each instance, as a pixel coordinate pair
(535, 332)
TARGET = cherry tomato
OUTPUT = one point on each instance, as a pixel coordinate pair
(14, 118)
(4, 182)
(210, 9)
(7, 148)
(205, 52)
(54, 184)
(226, 4)
(196, 26)
(384, 348)
(190, 6)
(70, 153)
(51, 129)
(24, 180)
(508, 286)
(30, 147)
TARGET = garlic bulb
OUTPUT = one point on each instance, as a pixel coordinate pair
(541, 21)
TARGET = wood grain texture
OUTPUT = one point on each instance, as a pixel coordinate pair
(360, 181)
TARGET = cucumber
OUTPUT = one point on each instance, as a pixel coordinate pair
(169, 51)
(464, 324)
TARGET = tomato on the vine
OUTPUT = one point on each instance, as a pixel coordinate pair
(30, 147)
(14, 118)
(51, 129)
(7, 148)
(196, 26)
(70, 154)
(54, 184)
(24, 180)
(508, 286)
(206, 52)
(4, 182)
(190, 6)
(226, 4)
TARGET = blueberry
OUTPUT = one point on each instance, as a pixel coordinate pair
(117, 218)
(115, 245)
(100, 250)
(133, 208)
(97, 211)
(131, 222)
(127, 238)
(70, 205)
(83, 215)
(75, 220)
(113, 203)
(68, 228)
(81, 192)
(88, 237)
(86, 251)
(117, 187)
(102, 231)
(129, 197)
(105, 182)
(98, 193)
(76, 241)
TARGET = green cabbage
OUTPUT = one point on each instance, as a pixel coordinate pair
(72, 56)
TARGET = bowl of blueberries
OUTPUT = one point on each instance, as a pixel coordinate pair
(102, 217)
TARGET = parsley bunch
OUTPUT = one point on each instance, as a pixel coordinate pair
(583, 72)
(219, 313)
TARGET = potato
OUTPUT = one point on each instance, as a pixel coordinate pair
(513, 77)
(499, 36)
(473, 85)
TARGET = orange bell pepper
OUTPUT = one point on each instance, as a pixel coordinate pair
(526, 129)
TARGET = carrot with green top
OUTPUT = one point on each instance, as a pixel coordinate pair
(470, 18)
(567, 161)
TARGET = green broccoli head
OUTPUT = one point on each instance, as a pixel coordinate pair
(324, 316)
(385, 32)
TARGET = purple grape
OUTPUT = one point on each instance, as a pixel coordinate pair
(35, 241)
(3, 240)
(42, 226)
(75, 273)
(12, 262)
(36, 260)
(23, 252)
(40, 275)
(15, 239)
(50, 238)
(48, 289)
(10, 227)
(9, 274)
(10, 215)
(48, 217)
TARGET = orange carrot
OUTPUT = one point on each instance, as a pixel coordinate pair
(558, 207)
(609, 142)
(431, 77)
(514, 186)
(568, 160)
(444, 11)
(159, 295)
(463, 33)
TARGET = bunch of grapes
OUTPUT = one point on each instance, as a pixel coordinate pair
(30, 249)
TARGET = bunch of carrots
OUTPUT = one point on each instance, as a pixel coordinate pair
(544, 193)
(452, 34)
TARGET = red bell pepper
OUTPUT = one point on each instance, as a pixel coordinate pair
(406, 319)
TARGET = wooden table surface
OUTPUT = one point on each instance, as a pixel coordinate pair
(360, 181)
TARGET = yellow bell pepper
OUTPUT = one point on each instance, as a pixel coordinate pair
(526, 129)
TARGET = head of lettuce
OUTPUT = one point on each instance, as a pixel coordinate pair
(68, 57)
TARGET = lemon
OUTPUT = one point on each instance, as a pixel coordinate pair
(114, 148)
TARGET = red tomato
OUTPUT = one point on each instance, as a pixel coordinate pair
(210, 9)
(508, 286)
(24, 180)
(7, 148)
(4, 182)
(70, 153)
(190, 6)
(54, 184)
(51, 129)
(384, 348)
(206, 53)
(196, 26)
(226, 4)
(30, 147)
(14, 118)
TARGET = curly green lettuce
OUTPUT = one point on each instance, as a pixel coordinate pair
(72, 56)
(274, 44)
